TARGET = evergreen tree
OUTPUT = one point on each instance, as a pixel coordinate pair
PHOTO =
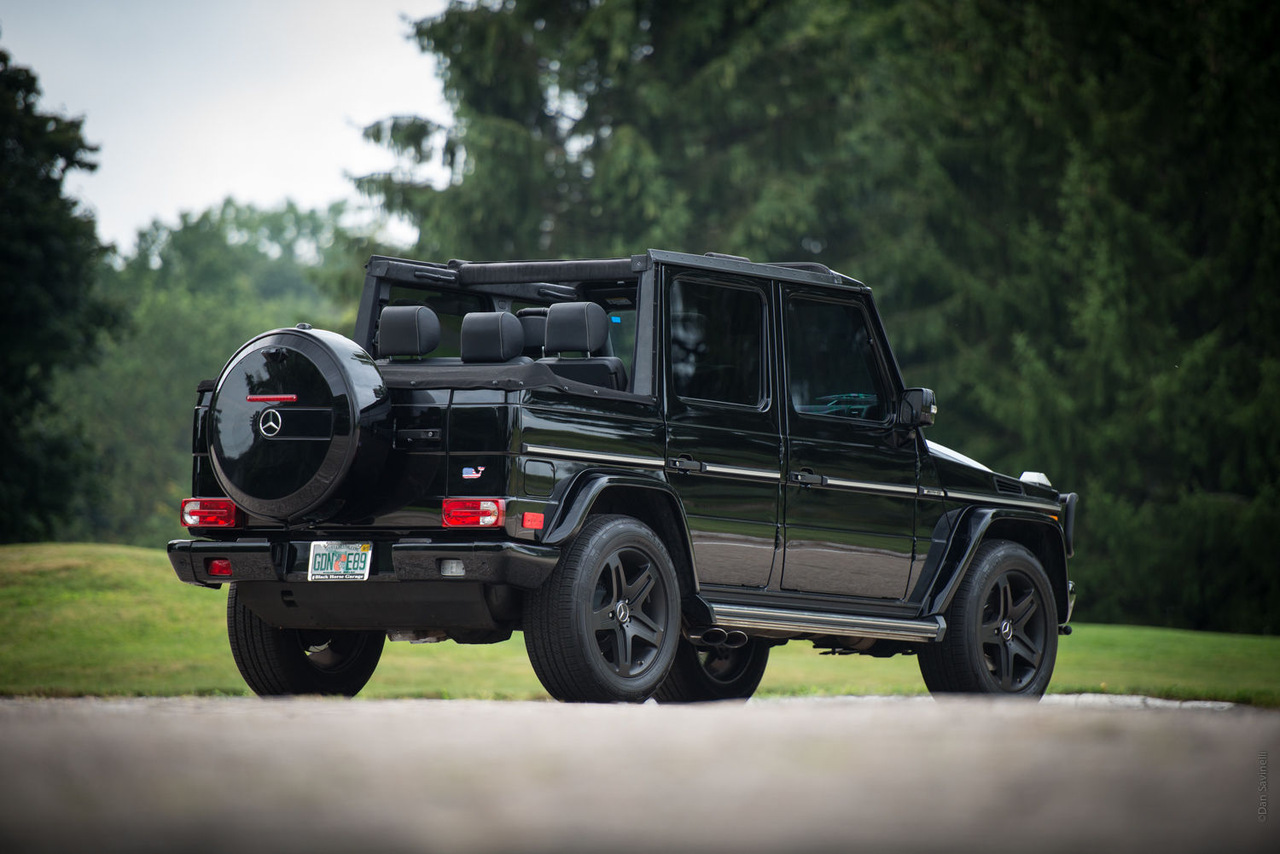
(1067, 212)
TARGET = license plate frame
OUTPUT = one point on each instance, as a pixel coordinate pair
(337, 560)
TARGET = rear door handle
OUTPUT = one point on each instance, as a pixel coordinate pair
(805, 478)
(685, 464)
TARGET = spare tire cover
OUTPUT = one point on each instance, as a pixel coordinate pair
(297, 424)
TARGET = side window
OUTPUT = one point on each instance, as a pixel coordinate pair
(717, 335)
(831, 367)
(622, 336)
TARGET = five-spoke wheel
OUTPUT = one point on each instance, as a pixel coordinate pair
(275, 661)
(605, 625)
(1002, 628)
(706, 673)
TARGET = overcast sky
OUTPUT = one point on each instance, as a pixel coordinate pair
(190, 103)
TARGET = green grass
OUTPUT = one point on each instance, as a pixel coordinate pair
(89, 620)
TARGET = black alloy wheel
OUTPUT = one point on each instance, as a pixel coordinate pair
(605, 625)
(709, 673)
(281, 662)
(1002, 628)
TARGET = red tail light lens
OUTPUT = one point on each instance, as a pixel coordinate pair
(219, 566)
(210, 513)
(472, 512)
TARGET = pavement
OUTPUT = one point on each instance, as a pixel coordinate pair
(874, 774)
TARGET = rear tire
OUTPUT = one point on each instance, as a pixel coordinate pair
(279, 662)
(1002, 628)
(703, 674)
(605, 626)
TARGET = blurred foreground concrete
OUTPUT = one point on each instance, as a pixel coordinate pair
(838, 775)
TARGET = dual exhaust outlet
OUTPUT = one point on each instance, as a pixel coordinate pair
(716, 636)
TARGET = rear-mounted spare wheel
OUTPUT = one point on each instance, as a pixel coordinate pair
(298, 426)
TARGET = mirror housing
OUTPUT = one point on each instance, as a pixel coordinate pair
(917, 408)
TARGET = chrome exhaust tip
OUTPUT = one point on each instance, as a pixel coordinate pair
(714, 636)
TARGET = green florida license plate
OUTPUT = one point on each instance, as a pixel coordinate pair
(335, 561)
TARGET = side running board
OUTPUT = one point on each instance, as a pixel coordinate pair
(748, 618)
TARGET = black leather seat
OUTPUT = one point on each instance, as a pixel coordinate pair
(492, 337)
(581, 327)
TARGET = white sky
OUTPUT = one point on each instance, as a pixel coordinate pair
(191, 102)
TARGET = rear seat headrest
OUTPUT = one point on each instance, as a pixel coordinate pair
(576, 326)
(491, 336)
(534, 322)
(407, 330)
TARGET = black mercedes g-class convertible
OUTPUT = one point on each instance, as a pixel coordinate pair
(655, 467)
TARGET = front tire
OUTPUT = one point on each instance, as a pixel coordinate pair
(605, 626)
(1002, 628)
(703, 674)
(280, 662)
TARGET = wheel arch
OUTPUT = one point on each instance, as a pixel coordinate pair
(1037, 533)
(649, 501)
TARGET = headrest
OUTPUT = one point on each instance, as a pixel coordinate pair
(534, 322)
(407, 330)
(491, 336)
(576, 326)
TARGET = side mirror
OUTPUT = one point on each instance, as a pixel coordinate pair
(917, 408)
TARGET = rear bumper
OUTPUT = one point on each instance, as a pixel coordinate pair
(513, 563)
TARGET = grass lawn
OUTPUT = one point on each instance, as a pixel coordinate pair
(112, 620)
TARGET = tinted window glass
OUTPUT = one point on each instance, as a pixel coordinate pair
(716, 337)
(622, 336)
(831, 368)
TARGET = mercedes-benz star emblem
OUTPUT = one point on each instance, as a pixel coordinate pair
(270, 423)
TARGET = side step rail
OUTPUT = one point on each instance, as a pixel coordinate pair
(748, 617)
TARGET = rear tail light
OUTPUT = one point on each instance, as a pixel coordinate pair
(210, 513)
(472, 512)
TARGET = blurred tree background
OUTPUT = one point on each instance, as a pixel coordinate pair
(52, 305)
(1068, 213)
(196, 291)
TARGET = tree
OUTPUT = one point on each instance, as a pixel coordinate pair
(1067, 212)
(1116, 190)
(54, 314)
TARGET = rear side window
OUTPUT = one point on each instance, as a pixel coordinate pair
(449, 306)
(831, 366)
(717, 339)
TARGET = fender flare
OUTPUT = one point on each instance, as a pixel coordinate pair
(576, 498)
(975, 525)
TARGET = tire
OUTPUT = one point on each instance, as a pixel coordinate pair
(706, 674)
(279, 662)
(1002, 628)
(605, 626)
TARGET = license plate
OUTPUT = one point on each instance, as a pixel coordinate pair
(334, 561)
